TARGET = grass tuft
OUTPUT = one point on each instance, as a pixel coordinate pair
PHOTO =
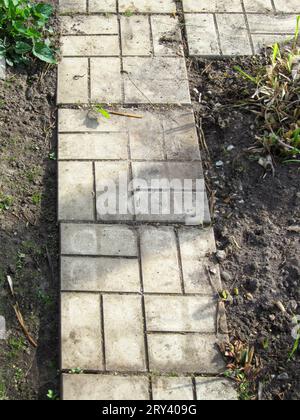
(276, 101)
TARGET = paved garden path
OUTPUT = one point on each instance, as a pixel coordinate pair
(139, 291)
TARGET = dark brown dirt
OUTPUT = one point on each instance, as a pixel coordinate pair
(253, 212)
(28, 231)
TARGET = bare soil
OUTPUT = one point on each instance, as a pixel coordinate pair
(28, 231)
(253, 211)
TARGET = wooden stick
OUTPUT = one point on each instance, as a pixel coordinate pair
(19, 314)
(124, 114)
(23, 326)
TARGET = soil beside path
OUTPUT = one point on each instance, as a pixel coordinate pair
(28, 231)
(253, 215)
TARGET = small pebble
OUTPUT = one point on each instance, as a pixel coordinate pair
(226, 276)
(283, 377)
(221, 255)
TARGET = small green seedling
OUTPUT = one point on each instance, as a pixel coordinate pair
(76, 371)
(51, 395)
(6, 201)
(296, 335)
(36, 199)
(102, 111)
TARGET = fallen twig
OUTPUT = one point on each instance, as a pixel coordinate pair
(125, 114)
(19, 314)
(23, 326)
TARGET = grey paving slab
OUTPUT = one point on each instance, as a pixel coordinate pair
(195, 243)
(106, 80)
(258, 6)
(72, 6)
(81, 339)
(160, 263)
(170, 388)
(215, 389)
(135, 35)
(277, 24)
(212, 6)
(89, 25)
(82, 46)
(184, 353)
(80, 121)
(148, 172)
(147, 137)
(112, 195)
(93, 146)
(105, 240)
(287, 6)
(202, 35)
(261, 41)
(156, 80)
(167, 134)
(200, 274)
(124, 333)
(76, 191)
(102, 6)
(105, 388)
(184, 314)
(73, 81)
(184, 207)
(87, 274)
(234, 35)
(166, 32)
(181, 140)
(144, 6)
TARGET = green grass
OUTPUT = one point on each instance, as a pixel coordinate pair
(17, 346)
(6, 202)
(3, 395)
(275, 100)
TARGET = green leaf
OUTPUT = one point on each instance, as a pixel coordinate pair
(103, 112)
(22, 47)
(44, 53)
(43, 10)
(276, 53)
(245, 75)
(27, 32)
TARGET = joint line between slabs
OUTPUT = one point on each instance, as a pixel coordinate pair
(95, 192)
(146, 374)
(273, 5)
(248, 27)
(194, 388)
(89, 81)
(102, 331)
(121, 53)
(179, 261)
(151, 34)
(139, 293)
(143, 300)
(85, 35)
(218, 33)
